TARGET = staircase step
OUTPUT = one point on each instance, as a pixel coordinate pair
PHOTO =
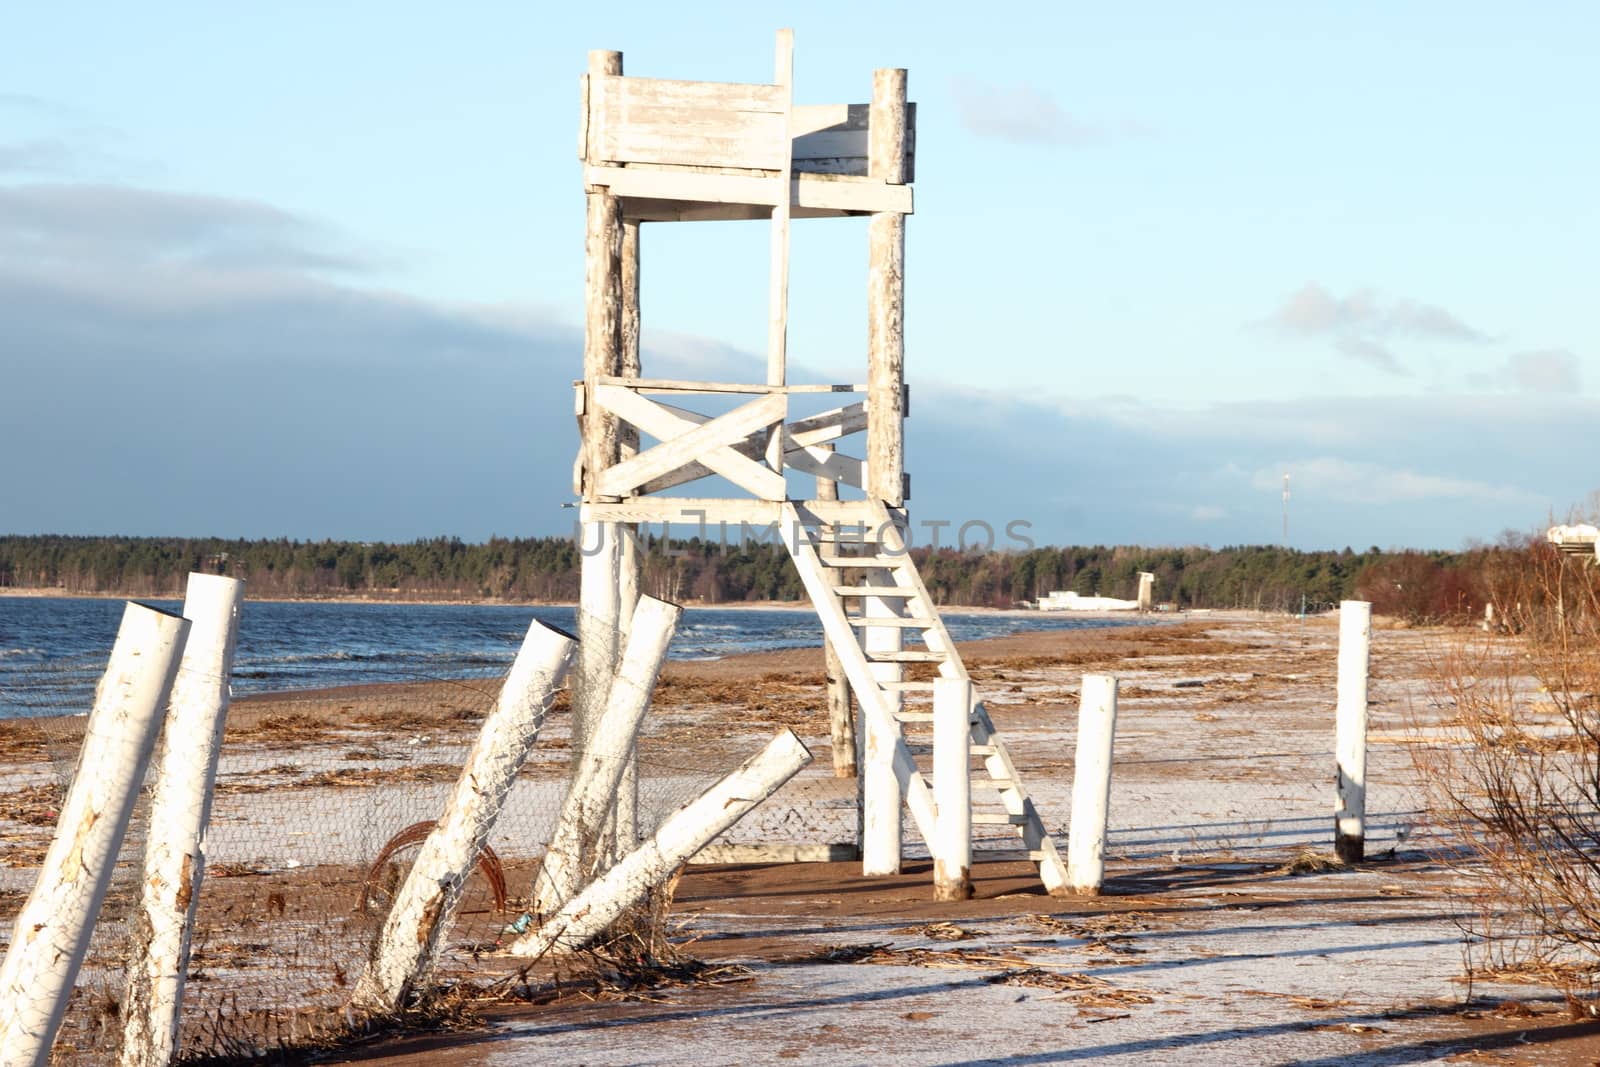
(864, 562)
(903, 656)
(904, 624)
(876, 556)
(998, 818)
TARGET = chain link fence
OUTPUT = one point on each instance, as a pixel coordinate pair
(324, 800)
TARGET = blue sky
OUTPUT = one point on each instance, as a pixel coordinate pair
(315, 270)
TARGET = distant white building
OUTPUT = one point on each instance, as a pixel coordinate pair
(1579, 540)
(1069, 601)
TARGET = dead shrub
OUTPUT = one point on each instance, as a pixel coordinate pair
(1514, 777)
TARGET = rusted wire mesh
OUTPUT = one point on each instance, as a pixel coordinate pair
(321, 802)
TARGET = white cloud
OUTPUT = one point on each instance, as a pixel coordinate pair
(337, 410)
(1362, 324)
(1312, 310)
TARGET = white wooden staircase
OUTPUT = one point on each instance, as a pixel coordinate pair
(866, 624)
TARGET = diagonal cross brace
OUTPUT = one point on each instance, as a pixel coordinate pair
(801, 440)
(707, 443)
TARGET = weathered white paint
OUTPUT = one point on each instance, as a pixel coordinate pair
(870, 696)
(1091, 783)
(836, 852)
(624, 831)
(679, 837)
(180, 811)
(599, 624)
(739, 195)
(1147, 591)
(841, 724)
(603, 305)
(630, 564)
(51, 935)
(805, 444)
(778, 275)
(688, 123)
(426, 902)
(686, 385)
(692, 511)
(1350, 743)
(952, 788)
(605, 312)
(886, 255)
(597, 770)
(834, 138)
(688, 440)
(882, 802)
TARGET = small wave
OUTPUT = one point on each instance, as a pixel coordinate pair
(7, 652)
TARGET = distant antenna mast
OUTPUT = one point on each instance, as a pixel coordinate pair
(1285, 543)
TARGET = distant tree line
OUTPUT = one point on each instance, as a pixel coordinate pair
(1417, 585)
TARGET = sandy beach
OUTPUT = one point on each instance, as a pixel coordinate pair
(1207, 946)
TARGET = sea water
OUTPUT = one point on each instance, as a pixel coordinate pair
(53, 648)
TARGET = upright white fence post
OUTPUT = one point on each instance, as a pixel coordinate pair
(1091, 784)
(597, 770)
(174, 851)
(883, 804)
(51, 934)
(682, 834)
(426, 902)
(1350, 745)
(952, 788)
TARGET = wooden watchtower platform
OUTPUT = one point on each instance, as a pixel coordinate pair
(675, 151)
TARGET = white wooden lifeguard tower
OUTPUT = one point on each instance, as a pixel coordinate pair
(677, 151)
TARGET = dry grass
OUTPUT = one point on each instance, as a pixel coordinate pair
(1082, 990)
(1517, 787)
(1310, 861)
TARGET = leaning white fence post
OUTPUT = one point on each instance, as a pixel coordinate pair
(51, 935)
(1350, 745)
(426, 902)
(952, 788)
(682, 834)
(597, 770)
(174, 854)
(1091, 784)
